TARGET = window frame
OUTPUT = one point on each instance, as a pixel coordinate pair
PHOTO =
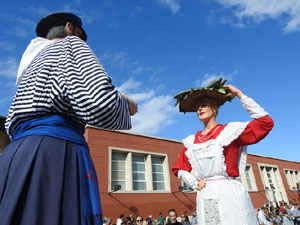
(252, 179)
(148, 170)
(291, 188)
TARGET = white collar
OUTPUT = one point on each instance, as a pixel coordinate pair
(33, 49)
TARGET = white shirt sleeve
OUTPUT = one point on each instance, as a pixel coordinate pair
(188, 178)
(252, 107)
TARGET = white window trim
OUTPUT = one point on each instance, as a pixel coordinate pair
(289, 181)
(128, 174)
(280, 183)
(252, 178)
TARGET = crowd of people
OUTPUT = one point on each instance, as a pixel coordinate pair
(282, 214)
(170, 219)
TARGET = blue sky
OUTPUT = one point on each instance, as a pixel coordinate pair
(153, 49)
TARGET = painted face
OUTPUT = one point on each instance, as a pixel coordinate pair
(205, 111)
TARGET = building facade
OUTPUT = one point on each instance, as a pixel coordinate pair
(135, 177)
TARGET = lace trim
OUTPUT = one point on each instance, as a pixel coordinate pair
(231, 132)
(188, 143)
(211, 212)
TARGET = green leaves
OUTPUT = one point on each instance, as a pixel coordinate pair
(221, 90)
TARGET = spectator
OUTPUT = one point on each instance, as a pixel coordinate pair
(172, 218)
(161, 219)
(297, 215)
(108, 221)
(120, 219)
(285, 218)
(185, 220)
(139, 220)
(298, 191)
(262, 216)
(277, 218)
(194, 220)
(128, 221)
(149, 221)
(153, 221)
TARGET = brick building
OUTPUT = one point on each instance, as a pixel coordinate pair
(134, 174)
(142, 164)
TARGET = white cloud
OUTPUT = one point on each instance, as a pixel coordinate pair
(207, 78)
(173, 5)
(129, 85)
(260, 10)
(155, 111)
(9, 67)
(154, 115)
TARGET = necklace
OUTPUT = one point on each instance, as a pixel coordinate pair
(202, 139)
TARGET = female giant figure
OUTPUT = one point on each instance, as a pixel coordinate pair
(212, 159)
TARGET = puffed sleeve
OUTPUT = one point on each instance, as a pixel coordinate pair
(92, 97)
(257, 129)
(182, 163)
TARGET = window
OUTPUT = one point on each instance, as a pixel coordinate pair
(293, 177)
(248, 179)
(273, 184)
(118, 175)
(158, 173)
(138, 171)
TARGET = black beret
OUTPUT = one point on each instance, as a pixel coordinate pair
(56, 19)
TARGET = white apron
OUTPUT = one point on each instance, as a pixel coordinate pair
(224, 200)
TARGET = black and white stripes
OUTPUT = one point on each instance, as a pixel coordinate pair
(67, 78)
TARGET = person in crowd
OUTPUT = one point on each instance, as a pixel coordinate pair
(120, 219)
(298, 192)
(262, 218)
(297, 214)
(153, 221)
(278, 217)
(108, 221)
(161, 219)
(139, 220)
(217, 155)
(172, 217)
(194, 220)
(285, 218)
(47, 175)
(149, 221)
(128, 220)
(185, 220)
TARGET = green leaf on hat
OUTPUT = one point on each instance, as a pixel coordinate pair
(221, 90)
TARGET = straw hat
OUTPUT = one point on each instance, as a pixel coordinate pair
(188, 100)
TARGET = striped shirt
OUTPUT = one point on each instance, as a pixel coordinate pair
(67, 78)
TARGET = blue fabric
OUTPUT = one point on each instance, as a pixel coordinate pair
(67, 129)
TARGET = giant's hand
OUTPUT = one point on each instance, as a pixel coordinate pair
(201, 185)
(131, 104)
(233, 91)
